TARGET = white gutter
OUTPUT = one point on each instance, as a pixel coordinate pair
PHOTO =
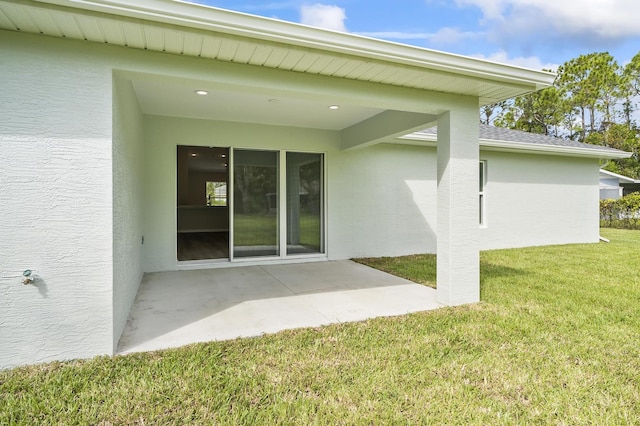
(619, 177)
(235, 23)
(531, 148)
(574, 151)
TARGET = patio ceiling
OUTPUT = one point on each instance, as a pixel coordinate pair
(176, 98)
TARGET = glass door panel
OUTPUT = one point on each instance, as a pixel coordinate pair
(202, 212)
(255, 203)
(304, 186)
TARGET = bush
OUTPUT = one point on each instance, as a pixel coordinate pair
(623, 213)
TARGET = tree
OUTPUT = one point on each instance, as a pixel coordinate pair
(593, 100)
(631, 88)
(489, 113)
(619, 136)
(538, 112)
(632, 73)
(593, 84)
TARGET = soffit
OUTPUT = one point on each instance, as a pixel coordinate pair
(172, 98)
(198, 31)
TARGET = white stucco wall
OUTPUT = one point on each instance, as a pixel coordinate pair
(539, 200)
(382, 202)
(55, 201)
(127, 203)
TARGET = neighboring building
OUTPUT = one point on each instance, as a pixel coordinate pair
(630, 188)
(614, 186)
(117, 117)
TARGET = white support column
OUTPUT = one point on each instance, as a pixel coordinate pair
(458, 274)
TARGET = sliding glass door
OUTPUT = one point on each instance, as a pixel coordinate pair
(277, 203)
(255, 204)
(304, 203)
(273, 200)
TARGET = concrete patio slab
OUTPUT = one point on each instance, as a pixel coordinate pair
(177, 308)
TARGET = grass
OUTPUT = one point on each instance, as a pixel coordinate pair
(556, 340)
(256, 230)
(419, 268)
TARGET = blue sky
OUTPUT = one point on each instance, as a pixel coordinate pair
(531, 33)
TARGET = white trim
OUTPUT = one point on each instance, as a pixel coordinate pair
(265, 29)
(573, 151)
(256, 261)
(282, 204)
(483, 210)
(231, 199)
(619, 177)
(521, 147)
(325, 206)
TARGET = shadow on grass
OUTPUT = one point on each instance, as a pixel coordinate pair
(489, 271)
(419, 268)
(422, 268)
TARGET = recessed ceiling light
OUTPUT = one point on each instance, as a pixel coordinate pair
(223, 155)
(334, 106)
(193, 154)
(201, 92)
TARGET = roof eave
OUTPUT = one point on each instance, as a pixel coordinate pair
(522, 147)
(627, 179)
(507, 146)
(230, 22)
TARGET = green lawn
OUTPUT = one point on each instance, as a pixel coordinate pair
(256, 230)
(555, 340)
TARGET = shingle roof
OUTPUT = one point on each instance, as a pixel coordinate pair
(518, 136)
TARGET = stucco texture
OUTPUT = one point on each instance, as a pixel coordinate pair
(56, 201)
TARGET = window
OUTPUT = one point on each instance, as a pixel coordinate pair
(483, 177)
(216, 193)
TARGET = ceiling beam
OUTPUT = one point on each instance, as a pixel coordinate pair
(382, 127)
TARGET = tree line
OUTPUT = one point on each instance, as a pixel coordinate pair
(593, 100)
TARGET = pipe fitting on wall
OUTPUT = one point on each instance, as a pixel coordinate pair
(27, 277)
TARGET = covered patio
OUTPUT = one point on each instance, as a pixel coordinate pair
(182, 307)
(165, 74)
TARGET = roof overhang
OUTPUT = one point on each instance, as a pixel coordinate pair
(524, 148)
(200, 31)
(621, 178)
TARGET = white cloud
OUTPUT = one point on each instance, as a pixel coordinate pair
(532, 62)
(324, 16)
(448, 35)
(491, 9)
(591, 19)
(444, 36)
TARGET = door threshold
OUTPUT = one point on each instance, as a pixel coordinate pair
(225, 263)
